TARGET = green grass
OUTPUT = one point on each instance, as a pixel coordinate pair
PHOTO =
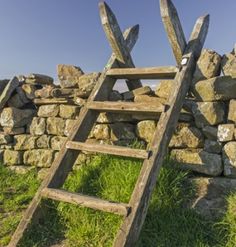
(16, 192)
(227, 226)
(168, 222)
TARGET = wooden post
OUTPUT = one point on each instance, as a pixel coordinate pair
(173, 28)
(117, 42)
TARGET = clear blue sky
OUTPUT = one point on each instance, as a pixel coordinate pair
(36, 35)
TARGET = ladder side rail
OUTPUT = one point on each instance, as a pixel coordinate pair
(55, 178)
(130, 229)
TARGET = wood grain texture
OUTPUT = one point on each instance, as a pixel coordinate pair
(116, 41)
(164, 72)
(126, 107)
(198, 37)
(130, 229)
(173, 29)
(108, 149)
(131, 36)
(114, 34)
(86, 201)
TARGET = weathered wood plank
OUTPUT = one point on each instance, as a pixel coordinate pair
(198, 37)
(8, 90)
(114, 34)
(133, 33)
(173, 28)
(165, 72)
(108, 149)
(130, 229)
(63, 163)
(116, 40)
(86, 201)
(126, 107)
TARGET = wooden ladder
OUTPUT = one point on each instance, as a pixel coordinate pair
(121, 66)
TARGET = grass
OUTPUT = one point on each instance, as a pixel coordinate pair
(227, 226)
(16, 192)
(168, 222)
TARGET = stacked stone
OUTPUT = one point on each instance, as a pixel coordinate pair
(74, 83)
(116, 128)
(37, 115)
(48, 132)
(204, 141)
(125, 129)
(58, 108)
(17, 112)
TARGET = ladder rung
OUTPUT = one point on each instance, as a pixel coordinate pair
(86, 201)
(126, 107)
(108, 149)
(165, 72)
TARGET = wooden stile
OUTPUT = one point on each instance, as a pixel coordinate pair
(121, 65)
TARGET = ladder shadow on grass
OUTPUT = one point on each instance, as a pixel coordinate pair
(88, 180)
(51, 231)
(169, 222)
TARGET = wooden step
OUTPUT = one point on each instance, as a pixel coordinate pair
(108, 149)
(126, 107)
(86, 201)
(63, 164)
(165, 72)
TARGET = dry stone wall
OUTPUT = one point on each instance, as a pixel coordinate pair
(37, 115)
